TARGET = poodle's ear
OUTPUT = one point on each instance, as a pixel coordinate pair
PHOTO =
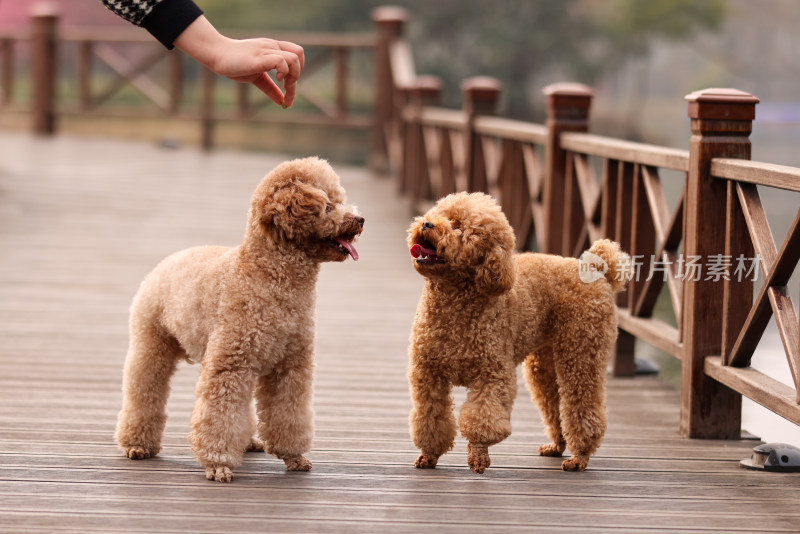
(495, 275)
(291, 203)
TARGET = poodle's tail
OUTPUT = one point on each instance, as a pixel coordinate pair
(618, 267)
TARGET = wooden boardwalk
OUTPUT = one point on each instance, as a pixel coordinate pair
(81, 222)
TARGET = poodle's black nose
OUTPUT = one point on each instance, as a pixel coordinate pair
(360, 220)
(427, 225)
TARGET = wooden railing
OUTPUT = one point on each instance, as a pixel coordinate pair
(744, 318)
(168, 84)
(562, 188)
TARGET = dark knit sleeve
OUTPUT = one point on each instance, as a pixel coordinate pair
(164, 19)
(131, 10)
(169, 18)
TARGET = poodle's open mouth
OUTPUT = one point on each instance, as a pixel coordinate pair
(425, 253)
(343, 245)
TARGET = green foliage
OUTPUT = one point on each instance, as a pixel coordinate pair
(521, 42)
(305, 15)
(671, 18)
(631, 24)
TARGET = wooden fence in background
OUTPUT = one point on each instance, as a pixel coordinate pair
(562, 188)
(327, 101)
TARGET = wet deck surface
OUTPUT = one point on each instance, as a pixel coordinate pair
(82, 221)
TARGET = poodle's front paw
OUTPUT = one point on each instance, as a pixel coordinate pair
(297, 463)
(139, 453)
(478, 458)
(552, 449)
(575, 463)
(219, 473)
(426, 461)
(255, 445)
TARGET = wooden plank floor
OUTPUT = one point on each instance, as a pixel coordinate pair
(81, 222)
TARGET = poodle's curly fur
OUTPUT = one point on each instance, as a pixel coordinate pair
(246, 313)
(483, 311)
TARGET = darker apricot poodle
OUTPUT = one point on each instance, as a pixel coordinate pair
(484, 310)
(245, 313)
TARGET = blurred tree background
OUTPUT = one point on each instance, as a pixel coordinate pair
(524, 43)
(640, 56)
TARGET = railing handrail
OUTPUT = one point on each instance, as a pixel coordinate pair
(435, 116)
(630, 151)
(528, 132)
(16, 34)
(757, 172)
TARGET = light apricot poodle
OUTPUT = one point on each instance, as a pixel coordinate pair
(484, 310)
(246, 313)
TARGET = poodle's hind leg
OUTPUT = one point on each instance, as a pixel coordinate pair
(285, 409)
(152, 358)
(540, 378)
(485, 418)
(431, 423)
(221, 424)
(581, 378)
(256, 444)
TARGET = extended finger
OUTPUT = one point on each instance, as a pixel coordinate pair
(290, 86)
(269, 88)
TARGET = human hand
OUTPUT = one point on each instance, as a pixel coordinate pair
(246, 60)
(249, 61)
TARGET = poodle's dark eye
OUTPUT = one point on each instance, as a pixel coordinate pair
(329, 208)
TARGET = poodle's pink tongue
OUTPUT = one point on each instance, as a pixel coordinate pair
(418, 250)
(350, 248)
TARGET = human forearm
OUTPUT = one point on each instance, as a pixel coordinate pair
(164, 19)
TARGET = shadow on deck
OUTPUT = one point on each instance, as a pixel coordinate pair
(81, 222)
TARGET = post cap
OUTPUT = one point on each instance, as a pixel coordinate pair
(424, 83)
(568, 101)
(389, 14)
(718, 103)
(722, 95)
(45, 9)
(424, 89)
(568, 89)
(481, 88)
(428, 83)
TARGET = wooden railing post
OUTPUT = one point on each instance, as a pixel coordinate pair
(480, 95)
(44, 23)
(207, 110)
(721, 122)
(175, 82)
(84, 74)
(340, 79)
(389, 22)
(7, 73)
(568, 107)
(426, 91)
